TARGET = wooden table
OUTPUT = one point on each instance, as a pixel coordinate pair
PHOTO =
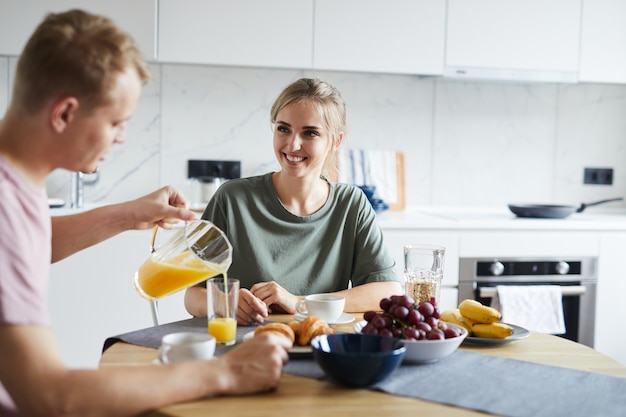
(299, 396)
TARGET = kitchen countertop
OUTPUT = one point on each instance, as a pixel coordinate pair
(490, 218)
(477, 218)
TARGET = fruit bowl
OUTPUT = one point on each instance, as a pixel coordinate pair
(427, 338)
(357, 360)
(424, 351)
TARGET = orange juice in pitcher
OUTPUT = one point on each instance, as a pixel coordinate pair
(157, 279)
(189, 256)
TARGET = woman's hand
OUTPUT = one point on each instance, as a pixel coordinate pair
(250, 309)
(276, 297)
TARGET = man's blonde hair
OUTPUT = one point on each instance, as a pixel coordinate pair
(77, 54)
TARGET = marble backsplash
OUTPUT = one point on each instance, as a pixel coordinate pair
(465, 143)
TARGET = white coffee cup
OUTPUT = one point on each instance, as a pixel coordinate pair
(186, 346)
(329, 307)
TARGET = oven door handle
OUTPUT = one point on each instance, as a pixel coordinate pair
(566, 290)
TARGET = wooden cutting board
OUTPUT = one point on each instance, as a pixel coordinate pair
(400, 205)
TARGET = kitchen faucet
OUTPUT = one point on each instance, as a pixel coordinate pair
(77, 186)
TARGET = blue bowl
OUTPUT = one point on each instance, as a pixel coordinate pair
(357, 360)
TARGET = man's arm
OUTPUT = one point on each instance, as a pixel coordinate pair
(40, 385)
(72, 233)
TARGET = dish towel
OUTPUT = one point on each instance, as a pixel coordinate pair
(535, 307)
(371, 167)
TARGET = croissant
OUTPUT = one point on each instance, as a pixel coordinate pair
(280, 328)
(295, 326)
(310, 327)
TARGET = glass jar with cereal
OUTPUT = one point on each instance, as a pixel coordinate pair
(423, 271)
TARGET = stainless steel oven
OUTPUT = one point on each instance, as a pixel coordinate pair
(577, 277)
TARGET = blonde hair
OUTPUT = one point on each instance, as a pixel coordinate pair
(74, 53)
(331, 107)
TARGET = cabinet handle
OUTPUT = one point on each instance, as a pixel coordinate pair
(566, 290)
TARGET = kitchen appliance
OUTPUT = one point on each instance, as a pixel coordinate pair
(207, 176)
(548, 211)
(478, 278)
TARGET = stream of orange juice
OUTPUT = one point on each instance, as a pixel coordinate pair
(157, 279)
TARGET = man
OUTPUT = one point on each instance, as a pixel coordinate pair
(77, 83)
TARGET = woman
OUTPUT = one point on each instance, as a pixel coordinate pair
(293, 231)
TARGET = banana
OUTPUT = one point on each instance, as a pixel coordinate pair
(454, 316)
(493, 330)
(479, 313)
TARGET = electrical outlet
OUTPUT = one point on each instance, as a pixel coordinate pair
(598, 176)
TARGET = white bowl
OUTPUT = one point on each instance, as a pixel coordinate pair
(424, 351)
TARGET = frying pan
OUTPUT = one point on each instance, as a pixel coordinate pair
(548, 211)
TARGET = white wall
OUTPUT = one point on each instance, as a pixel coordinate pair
(466, 143)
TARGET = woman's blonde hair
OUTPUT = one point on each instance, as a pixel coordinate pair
(331, 107)
(77, 54)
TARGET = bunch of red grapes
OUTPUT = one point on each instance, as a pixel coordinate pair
(402, 318)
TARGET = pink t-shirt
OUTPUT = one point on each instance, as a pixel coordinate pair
(25, 251)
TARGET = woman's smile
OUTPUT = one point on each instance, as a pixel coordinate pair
(294, 158)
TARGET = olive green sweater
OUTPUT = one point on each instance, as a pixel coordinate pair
(322, 252)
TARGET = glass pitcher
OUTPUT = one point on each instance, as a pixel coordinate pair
(188, 256)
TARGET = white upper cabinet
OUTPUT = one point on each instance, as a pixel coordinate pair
(603, 41)
(268, 33)
(18, 19)
(393, 36)
(525, 40)
(513, 39)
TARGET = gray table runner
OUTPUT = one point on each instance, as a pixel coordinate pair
(486, 383)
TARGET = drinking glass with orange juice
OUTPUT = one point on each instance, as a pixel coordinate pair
(188, 256)
(222, 297)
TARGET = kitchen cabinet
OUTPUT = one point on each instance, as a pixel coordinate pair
(602, 52)
(610, 306)
(270, 33)
(395, 36)
(92, 297)
(513, 39)
(18, 20)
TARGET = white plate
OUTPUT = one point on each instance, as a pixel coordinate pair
(518, 333)
(294, 351)
(343, 319)
(358, 326)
